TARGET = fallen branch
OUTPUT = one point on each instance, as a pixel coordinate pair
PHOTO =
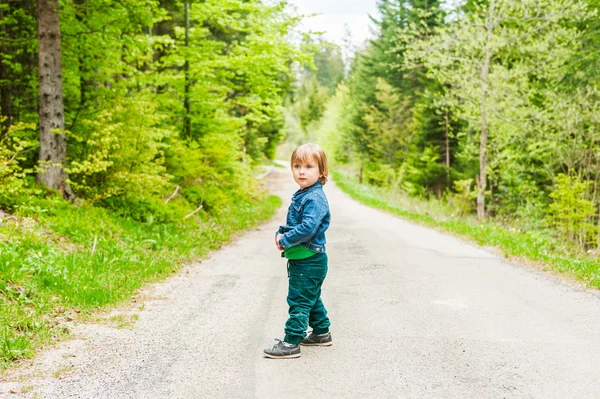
(94, 246)
(172, 195)
(191, 214)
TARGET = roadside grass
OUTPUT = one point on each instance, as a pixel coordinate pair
(60, 263)
(122, 321)
(534, 245)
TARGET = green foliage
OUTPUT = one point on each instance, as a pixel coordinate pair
(527, 55)
(239, 67)
(423, 171)
(145, 210)
(18, 62)
(125, 76)
(318, 78)
(380, 175)
(361, 91)
(312, 104)
(329, 66)
(388, 125)
(271, 134)
(131, 82)
(119, 152)
(572, 213)
(14, 181)
(389, 117)
(419, 98)
(463, 197)
(126, 71)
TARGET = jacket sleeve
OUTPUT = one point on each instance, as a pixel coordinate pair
(313, 214)
(283, 230)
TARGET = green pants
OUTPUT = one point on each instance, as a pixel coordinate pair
(304, 298)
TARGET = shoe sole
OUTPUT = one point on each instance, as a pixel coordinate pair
(295, 355)
(317, 344)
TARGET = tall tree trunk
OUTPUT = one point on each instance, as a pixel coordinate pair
(187, 128)
(53, 144)
(447, 143)
(482, 181)
(5, 94)
(360, 172)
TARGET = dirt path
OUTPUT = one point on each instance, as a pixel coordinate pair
(415, 314)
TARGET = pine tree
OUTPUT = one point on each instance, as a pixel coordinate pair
(384, 59)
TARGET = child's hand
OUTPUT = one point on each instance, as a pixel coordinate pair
(279, 247)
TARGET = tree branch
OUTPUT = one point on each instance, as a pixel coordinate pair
(172, 195)
(191, 214)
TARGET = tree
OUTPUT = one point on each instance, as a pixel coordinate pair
(312, 103)
(329, 66)
(494, 62)
(53, 143)
(18, 62)
(187, 127)
(389, 124)
(5, 94)
(384, 58)
(488, 52)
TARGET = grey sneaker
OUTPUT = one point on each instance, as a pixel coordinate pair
(317, 340)
(282, 350)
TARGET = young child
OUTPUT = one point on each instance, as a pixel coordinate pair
(302, 241)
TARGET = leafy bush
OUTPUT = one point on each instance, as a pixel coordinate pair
(463, 200)
(571, 212)
(16, 181)
(119, 152)
(146, 210)
(380, 175)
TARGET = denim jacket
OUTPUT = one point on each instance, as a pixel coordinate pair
(307, 219)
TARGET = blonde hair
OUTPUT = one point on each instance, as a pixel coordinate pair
(305, 152)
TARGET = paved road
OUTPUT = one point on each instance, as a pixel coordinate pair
(415, 314)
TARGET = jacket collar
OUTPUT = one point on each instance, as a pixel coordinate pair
(308, 189)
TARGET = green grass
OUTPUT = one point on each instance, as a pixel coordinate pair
(534, 245)
(63, 262)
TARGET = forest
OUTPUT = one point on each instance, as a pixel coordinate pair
(131, 132)
(131, 135)
(490, 106)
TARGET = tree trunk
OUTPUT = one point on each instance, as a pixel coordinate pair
(53, 143)
(187, 128)
(598, 231)
(360, 173)
(482, 181)
(447, 142)
(5, 94)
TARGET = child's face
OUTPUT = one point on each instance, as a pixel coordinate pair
(306, 174)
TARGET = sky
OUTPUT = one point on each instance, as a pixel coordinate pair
(335, 14)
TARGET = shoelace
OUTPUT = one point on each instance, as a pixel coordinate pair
(280, 344)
